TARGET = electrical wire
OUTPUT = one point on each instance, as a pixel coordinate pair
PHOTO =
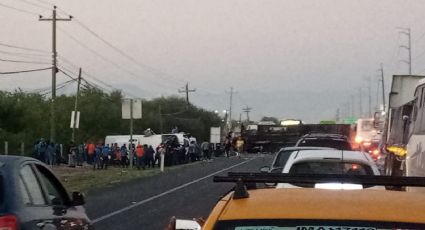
(91, 76)
(25, 71)
(148, 68)
(24, 54)
(101, 88)
(21, 61)
(40, 90)
(156, 72)
(17, 9)
(23, 48)
(135, 76)
(34, 4)
(45, 2)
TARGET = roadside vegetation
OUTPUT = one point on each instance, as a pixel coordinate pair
(24, 117)
(85, 179)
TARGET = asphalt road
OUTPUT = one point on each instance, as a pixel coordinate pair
(148, 203)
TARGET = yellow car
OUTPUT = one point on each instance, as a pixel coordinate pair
(320, 209)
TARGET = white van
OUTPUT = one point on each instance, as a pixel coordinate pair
(153, 140)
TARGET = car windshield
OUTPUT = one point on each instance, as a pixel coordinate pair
(331, 143)
(312, 225)
(367, 125)
(139, 104)
(282, 157)
(330, 167)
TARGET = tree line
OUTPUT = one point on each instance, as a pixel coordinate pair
(24, 117)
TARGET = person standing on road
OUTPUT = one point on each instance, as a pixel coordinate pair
(91, 148)
(72, 153)
(150, 156)
(97, 156)
(140, 154)
(227, 145)
(158, 154)
(192, 151)
(51, 152)
(80, 154)
(240, 144)
(205, 146)
(41, 150)
(106, 151)
(124, 156)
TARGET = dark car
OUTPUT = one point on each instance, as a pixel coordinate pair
(31, 197)
(335, 141)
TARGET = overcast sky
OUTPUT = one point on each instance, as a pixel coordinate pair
(288, 59)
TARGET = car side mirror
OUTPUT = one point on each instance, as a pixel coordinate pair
(78, 199)
(265, 169)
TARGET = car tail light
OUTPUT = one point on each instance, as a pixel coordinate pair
(358, 139)
(9, 222)
(367, 143)
(375, 152)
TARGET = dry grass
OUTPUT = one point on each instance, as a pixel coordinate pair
(85, 178)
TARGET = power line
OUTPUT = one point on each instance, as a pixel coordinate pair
(49, 88)
(156, 72)
(20, 10)
(23, 54)
(45, 2)
(152, 70)
(57, 88)
(25, 71)
(135, 76)
(148, 68)
(23, 48)
(97, 80)
(20, 61)
(35, 4)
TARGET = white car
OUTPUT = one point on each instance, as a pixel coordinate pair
(330, 161)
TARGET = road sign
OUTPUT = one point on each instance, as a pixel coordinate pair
(215, 135)
(126, 108)
(77, 120)
(350, 120)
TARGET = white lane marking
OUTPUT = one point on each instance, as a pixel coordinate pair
(165, 193)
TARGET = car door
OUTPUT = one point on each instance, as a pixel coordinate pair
(34, 210)
(71, 218)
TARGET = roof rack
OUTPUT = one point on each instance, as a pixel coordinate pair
(247, 177)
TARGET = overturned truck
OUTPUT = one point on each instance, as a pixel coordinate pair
(272, 137)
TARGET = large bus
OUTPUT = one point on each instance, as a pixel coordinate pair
(405, 127)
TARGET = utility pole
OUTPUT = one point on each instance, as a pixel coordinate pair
(337, 115)
(230, 107)
(76, 106)
(383, 86)
(247, 110)
(187, 91)
(54, 19)
(407, 32)
(160, 118)
(369, 87)
(377, 94)
(360, 103)
(352, 105)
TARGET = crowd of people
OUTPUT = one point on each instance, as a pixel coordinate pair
(100, 155)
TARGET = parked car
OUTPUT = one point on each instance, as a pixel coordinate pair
(330, 161)
(32, 197)
(335, 141)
